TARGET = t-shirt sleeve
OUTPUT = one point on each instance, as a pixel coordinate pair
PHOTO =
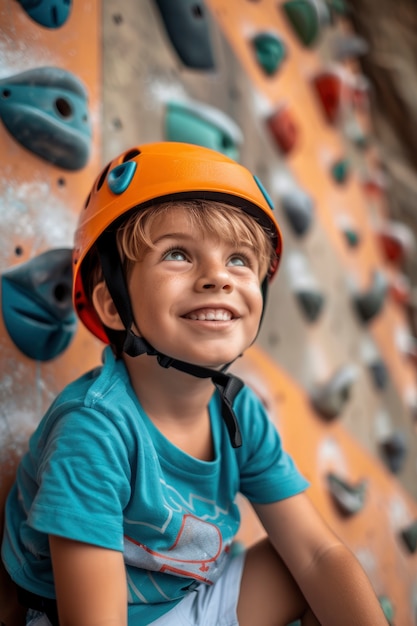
(267, 471)
(84, 481)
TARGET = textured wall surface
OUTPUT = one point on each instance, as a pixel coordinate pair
(280, 86)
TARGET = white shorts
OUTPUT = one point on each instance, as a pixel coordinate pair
(206, 605)
(210, 605)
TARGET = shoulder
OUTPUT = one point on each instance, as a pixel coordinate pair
(98, 401)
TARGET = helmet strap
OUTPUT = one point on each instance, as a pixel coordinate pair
(227, 385)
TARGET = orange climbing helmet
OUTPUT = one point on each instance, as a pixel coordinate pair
(160, 172)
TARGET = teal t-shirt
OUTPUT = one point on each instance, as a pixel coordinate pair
(98, 471)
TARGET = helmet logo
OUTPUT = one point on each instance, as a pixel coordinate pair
(121, 176)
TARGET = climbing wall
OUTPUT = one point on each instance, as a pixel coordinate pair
(50, 152)
(276, 85)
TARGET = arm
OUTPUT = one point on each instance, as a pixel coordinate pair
(90, 584)
(328, 574)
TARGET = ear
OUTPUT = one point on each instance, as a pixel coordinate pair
(105, 307)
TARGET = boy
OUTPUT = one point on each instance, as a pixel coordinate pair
(124, 506)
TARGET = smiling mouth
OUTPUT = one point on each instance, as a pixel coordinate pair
(210, 315)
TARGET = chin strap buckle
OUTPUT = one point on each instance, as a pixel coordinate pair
(164, 361)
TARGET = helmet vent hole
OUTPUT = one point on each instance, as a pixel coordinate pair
(87, 202)
(6, 93)
(102, 178)
(131, 155)
(63, 107)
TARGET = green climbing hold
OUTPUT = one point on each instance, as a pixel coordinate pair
(340, 171)
(270, 52)
(305, 20)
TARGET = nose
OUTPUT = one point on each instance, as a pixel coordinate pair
(214, 276)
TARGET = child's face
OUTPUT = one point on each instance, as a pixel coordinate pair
(196, 298)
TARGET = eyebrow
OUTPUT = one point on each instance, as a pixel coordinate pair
(170, 235)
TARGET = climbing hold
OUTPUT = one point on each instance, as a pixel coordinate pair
(370, 302)
(360, 92)
(394, 450)
(270, 52)
(49, 13)
(349, 46)
(330, 90)
(304, 286)
(187, 26)
(339, 7)
(340, 171)
(349, 499)
(397, 241)
(298, 207)
(387, 608)
(330, 398)
(306, 17)
(379, 374)
(311, 302)
(373, 361)
(45, 109)
(400, 289)
(405, 342)
(36, 304)
(409, 536)
(198, 123)
(348, 229)
(283, 129)
(355, 133)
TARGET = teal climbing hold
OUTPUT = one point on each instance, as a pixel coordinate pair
(270, 52)
(203, 125)
(340, 171)
(37, 306)
(187, 25)
(304, 18)
(46, 111)
(49, 13)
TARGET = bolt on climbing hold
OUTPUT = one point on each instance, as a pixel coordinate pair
(349, 498)
(187, 25)
(46, 111)
(409, 537)
(284, 129)
(330, 398)
(204, 125)
(306, 17)
(37, 306)
(369, 302)
(270, 52)
(298, 207)
(48, 13)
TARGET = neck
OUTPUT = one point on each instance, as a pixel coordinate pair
(176, 402)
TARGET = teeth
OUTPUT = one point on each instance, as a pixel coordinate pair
(218, 315)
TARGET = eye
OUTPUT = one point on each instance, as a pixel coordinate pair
(175, 254)
(239, 260)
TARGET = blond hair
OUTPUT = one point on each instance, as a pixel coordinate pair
(216, 219)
